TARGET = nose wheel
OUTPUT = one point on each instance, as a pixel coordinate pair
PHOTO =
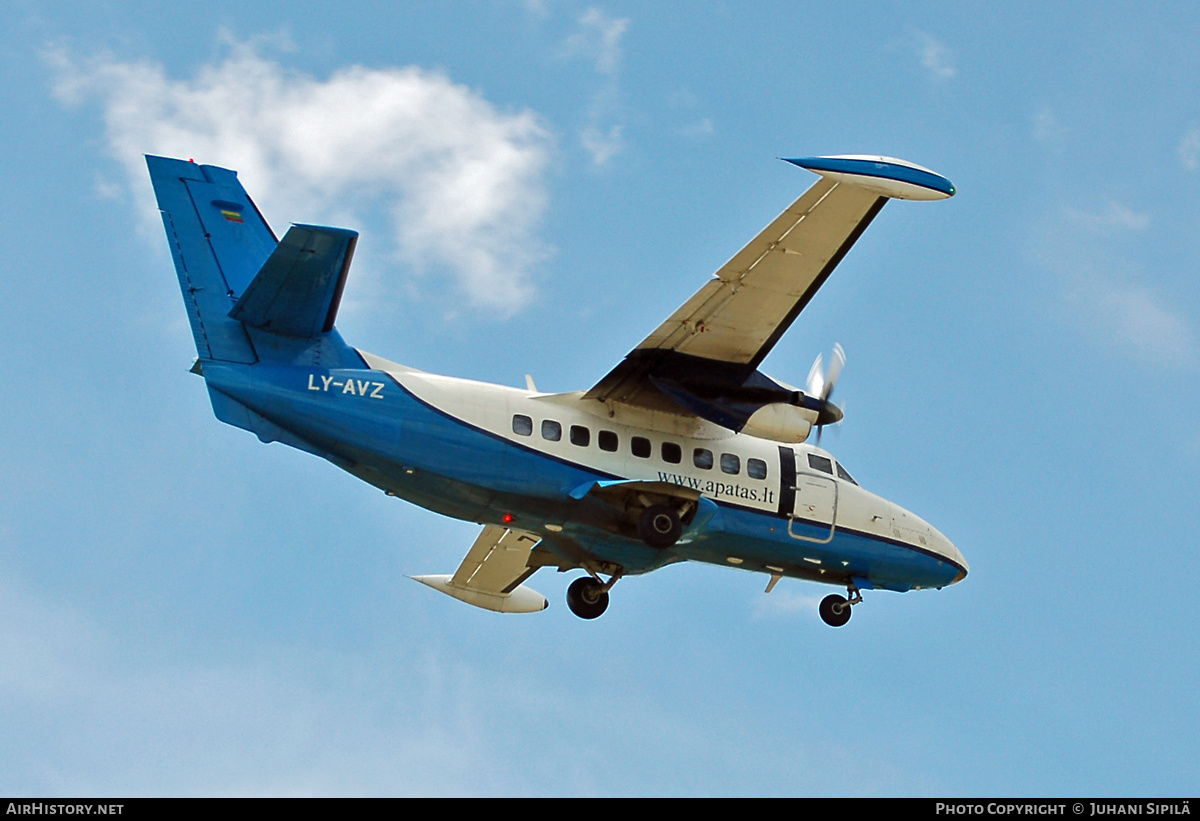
(835, 609)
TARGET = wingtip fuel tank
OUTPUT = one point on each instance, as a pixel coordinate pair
(886, 176)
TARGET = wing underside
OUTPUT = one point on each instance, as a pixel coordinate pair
(731, 324)
(703, 360)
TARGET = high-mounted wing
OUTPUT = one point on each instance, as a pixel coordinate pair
(491, 574)
(711, 347)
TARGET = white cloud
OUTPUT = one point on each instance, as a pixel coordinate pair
(598, 39)
(1047, 128)
(1111, 300)
(935, 57)
(700, 128)
(1189, 149)
(688, 102)
(1115, 216)
(602, 145)
(783, 602)
(461, 182)
(281, 724)
(1130, 316)
(108, 190)
(537, 8)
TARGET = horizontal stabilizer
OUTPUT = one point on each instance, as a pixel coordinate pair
(491, 574)
(521, 599)
(297, 291)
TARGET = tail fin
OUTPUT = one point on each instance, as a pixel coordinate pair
(219, 240)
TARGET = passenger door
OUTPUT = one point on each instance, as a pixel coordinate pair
(808, 498)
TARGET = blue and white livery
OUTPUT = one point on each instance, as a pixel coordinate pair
(684, 451)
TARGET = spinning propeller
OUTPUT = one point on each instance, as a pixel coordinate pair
(820, 387)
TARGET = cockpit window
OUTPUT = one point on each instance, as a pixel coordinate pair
(820, 463)
(842, 474)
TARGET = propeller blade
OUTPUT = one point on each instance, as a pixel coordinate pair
(836, 363)
(815, 384)
(820, 385)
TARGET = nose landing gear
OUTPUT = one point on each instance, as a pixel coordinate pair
(835, 610)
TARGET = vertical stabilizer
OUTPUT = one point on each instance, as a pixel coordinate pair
(219, 241)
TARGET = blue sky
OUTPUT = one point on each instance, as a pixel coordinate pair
(186, 611)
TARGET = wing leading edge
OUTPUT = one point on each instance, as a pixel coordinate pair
(710, 349)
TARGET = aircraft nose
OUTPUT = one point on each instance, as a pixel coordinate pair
(953, 554)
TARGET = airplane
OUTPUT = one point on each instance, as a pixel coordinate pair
(684, 451)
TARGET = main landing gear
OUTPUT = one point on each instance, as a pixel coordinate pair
(835, 610)
(659, 526)
(588, 596)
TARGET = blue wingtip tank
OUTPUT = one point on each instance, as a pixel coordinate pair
(885, 175)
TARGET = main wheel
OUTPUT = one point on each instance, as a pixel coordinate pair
(587, 598)
(835, 610)
(659, 526)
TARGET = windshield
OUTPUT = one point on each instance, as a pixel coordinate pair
(842, 474)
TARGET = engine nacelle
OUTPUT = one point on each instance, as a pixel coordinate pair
(781, 422)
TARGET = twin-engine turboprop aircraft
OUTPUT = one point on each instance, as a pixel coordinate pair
(684, 451)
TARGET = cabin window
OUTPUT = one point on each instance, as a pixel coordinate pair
(820, 463)
(551, 430)
(580, 436)
(672, 453)
(607, 440)
(702, 458)
(640, 446)
(756, 468)
(730, 463)
(522, 425)
(842, 474)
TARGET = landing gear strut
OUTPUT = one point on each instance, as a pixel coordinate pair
(588, 597)
(835, 610)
